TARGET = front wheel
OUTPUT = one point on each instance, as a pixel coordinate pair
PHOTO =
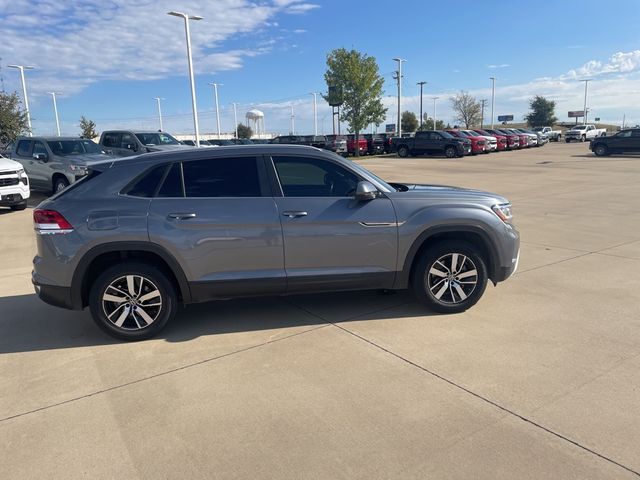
(59, 184)
(132, 301)
(583, 138)
(601, 150)
(450, 152)
(403, 151)
(450, 277)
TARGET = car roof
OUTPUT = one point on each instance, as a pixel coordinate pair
(53, 139)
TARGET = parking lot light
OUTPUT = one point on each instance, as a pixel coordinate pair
(194, 106)
(584, 113)
(55, 109)
(215, 91)
(493, 97)
(157, 99)
(399, 60)
(434, 111)
(22, 68)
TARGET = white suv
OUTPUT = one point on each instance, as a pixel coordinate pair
(14, 185)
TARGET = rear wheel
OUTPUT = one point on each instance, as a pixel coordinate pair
(19, 206)
(450, 152)
(450, 277)
(583, 138)
(132, 301)
(403, 151)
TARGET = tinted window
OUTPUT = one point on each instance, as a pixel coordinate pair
(24, 147)
(38, 147)
(73, 147)
(222, 177)
(172, 185)
(147, 185)
(159, 138)
(624, 134)
(127, 140)
(111, 140)
(310, 177)
(635, 133)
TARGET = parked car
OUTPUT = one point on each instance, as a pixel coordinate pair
(539, 138)
(624, 141)
(192, 143)
(531, 138)
(478, 144)
(124, 143)
(491, 141)
(501, 140)
(220, 143)
(317, 141)
(432, 142)
(387, 141)
(241, 141)
(582, 133)
(513, 140)
(53, 163)
(523, 139)
(287, 140)
(552, 135)
(375, 143)
(14, 185)
(351, 144)
(141, 236)
(337, 144)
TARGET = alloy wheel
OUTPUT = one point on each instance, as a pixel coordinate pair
(452, 278)
(132, 302)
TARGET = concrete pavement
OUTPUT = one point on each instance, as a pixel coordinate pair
(539, 380)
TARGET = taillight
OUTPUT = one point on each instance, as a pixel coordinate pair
(49, 222)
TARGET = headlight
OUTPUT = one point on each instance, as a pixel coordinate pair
(79, 169)
(23, 176)
(504, 212)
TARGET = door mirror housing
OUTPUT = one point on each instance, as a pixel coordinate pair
(365, 191)
(41, 157)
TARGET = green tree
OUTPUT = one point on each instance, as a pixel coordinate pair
(13, 119)
(356, 75)
(409, 121)
(466, 109)
(244, 131)
(427, 123)
(542, 112)
(87, 128)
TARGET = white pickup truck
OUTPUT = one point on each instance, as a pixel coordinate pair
(552, 135)
(582, 133)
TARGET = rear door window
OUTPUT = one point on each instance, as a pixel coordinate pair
(222, 177)
(24, 148)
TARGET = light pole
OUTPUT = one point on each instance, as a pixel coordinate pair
(293, 122)
(434, 111)
(22, 68)
(190, 61)
(55, 109)
(421, 84)
(493, 97)
(483, 101)
(215, 91)
(235, 118)
(399, 60)
(157, 99)
(315, 113)
(586, 82)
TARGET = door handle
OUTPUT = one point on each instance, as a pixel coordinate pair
(294, 214)
(181, 216)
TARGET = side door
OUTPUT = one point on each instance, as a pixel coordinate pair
(42, 169)
(332, 241)
(621, 142)
(218, 219)
(129, 145)
(111, 143)
(24, 156)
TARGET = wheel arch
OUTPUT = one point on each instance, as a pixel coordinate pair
(96, 259)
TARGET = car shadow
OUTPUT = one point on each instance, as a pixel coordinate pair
(27, 324)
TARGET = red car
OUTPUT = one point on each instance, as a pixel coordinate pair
(513, 141)
(503, 143)
(351, 145)
(478, 144)
(524, 139)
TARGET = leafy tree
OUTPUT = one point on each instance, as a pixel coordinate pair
(244, 131)
(356, 75)
(542, 112)
(13, 120)
(87, 128)
(409, 121)
(427, 123)
(466, 109)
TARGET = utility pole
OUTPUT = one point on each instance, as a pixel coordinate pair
(157, 99)
(22, 68)
(493, 97)
(584, 118)
(55, 109)
(483, 101)
(235, 118)
(293, 122)
(421, 84)
(315, 113)
(434, 111)
(215, 93)
(399, 60)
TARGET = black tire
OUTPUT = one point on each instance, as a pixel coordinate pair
(583, 138)
(601, 150)
(403, 151)
(19, 206)
(447, 283)
(567, 141)
(59, 184)
(148, 280)
(450, 152)
(558, 138)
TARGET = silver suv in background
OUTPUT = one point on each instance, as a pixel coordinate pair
(139, 236)
(53, 163)
(125, 143)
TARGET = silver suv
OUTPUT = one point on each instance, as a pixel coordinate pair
(137, 237)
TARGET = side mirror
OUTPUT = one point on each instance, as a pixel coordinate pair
(132, 146)
(40, 156)
(365, 191)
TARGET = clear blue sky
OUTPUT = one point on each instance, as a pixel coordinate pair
(109, 59)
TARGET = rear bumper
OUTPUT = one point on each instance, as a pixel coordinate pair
(53, 295)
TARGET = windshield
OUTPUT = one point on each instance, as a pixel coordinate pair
(367, 173)
(446, 134)
(73, 147)
(156, 139)
(471, 133)
(538, 129)
(579, 127)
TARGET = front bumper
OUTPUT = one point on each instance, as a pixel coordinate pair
(509, 265)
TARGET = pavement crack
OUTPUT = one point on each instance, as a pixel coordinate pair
(160, 374)
(489, 401)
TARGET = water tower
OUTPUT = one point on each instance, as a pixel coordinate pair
(255, 120)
